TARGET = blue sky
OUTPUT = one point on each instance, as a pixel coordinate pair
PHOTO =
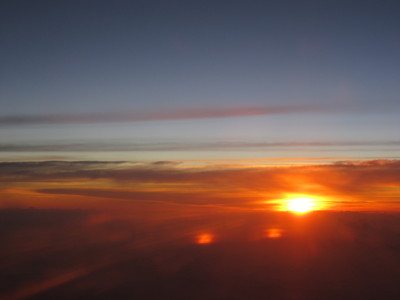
(329, 68)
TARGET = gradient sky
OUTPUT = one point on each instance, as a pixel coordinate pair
(199, 79)
(154, 149)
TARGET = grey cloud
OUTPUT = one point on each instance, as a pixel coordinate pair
(45, 168)
(172, 146)
(184, 197)
(166, 163)
(199, 113)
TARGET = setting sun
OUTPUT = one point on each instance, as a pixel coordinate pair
(300, 205)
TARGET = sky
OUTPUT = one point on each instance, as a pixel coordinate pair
(199, 149)
(172, 80)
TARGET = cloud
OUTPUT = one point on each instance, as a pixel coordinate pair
(63, 254)
(38, 168)
(179, 114)
(347, 184)
(155, 211)
(122, 171)
(166, 163)
(181, 146)
(184, 196)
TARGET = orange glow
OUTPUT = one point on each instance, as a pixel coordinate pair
(274, 233)
(204, 238)
(300, 205)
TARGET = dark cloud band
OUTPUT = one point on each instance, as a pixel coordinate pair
(183, 114)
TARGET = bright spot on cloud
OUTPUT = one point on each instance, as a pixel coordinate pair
(274, 233)
(205, 238)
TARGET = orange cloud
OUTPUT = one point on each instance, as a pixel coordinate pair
(348, 185)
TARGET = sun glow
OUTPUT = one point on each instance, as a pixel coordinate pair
(300, 205)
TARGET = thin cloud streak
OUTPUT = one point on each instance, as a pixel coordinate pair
(172, 146)
(183, 114)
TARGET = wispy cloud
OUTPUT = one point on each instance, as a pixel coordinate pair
(182, 146)
(178, 114)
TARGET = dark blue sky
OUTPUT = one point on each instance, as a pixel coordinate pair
(110, 57)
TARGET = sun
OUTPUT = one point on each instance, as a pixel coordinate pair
(300, 205)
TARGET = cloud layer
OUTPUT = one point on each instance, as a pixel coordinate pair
(346, 185)
(117, 229)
